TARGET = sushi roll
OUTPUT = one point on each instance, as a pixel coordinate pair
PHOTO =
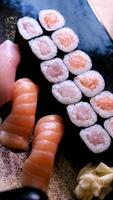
(82, 114)
(65, 39)
(51, 20)
(96, 138)
(43, 47)
(77, 62)
(90, 83)
(66, 92)
(103, 104)
(108, 125)
(54, 70)
(28, 27)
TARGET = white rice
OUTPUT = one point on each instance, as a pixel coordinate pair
(108, 125)
(66, 92)
(90, 77)
(96, 138)
(29, 27)
(60, 19)
(65, 33)
(105, 110)
(47, 51)
(54, 70)
(82, 114)
(75, 57)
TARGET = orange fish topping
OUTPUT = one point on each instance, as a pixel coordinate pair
(77, 61)
(90, 83)
(105, 103)
(51, 19)
(65, 39)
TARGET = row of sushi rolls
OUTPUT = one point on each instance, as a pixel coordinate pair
(17, 129)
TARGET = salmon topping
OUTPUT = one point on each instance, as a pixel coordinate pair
(95, 138)
(55, 70)
(77, 61)
(90, 83)
(105, 103)
(44, 47)
(66, 39)
(29, 27)
(51, 19)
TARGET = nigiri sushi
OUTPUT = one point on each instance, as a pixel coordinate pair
(108, 125)
(77, 62)
(103, 104)
(54, 70)
(82, 114)
(9, 61)
(38, 167)
(90, 83)
(17, 128)
(96, 138)
(66, 92)
(43, 47)
(51, 20)
(29, 27)
(65, 39)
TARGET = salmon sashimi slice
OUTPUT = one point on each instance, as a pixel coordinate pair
(48, 133)
(21, 120)
(9, 61)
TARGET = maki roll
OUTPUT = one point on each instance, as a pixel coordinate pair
(51, 20)
(103, 104)
(65, 39)
(96, 138)
(43, 47)
(66, 92)
(77, 62)
(90, 83)
(28, 27)
(108, 125)
(82, 114)
(54, 70)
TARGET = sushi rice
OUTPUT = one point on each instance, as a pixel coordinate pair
(43, 47)
(54, 70)
(90, 83)
(66, 92)
(65, 39)
(96, 138)
(77, 62)
(108, 125)
(29, 27)
(51, 20)
(81, 114)
(103, 104)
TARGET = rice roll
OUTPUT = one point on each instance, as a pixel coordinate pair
(108, 125)
(51, 20)
(96, 138)
(65, 39)
(29, 27)
(90, 83)
(54, 70)
(77, 62)
(103, 104)
(82, 114)
(43, 47)
(66, 92)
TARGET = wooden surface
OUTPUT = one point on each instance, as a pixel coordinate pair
(104, 11)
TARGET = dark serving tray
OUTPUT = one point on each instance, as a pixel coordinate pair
(97, 43)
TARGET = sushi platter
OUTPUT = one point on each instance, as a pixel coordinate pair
(56, 104)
